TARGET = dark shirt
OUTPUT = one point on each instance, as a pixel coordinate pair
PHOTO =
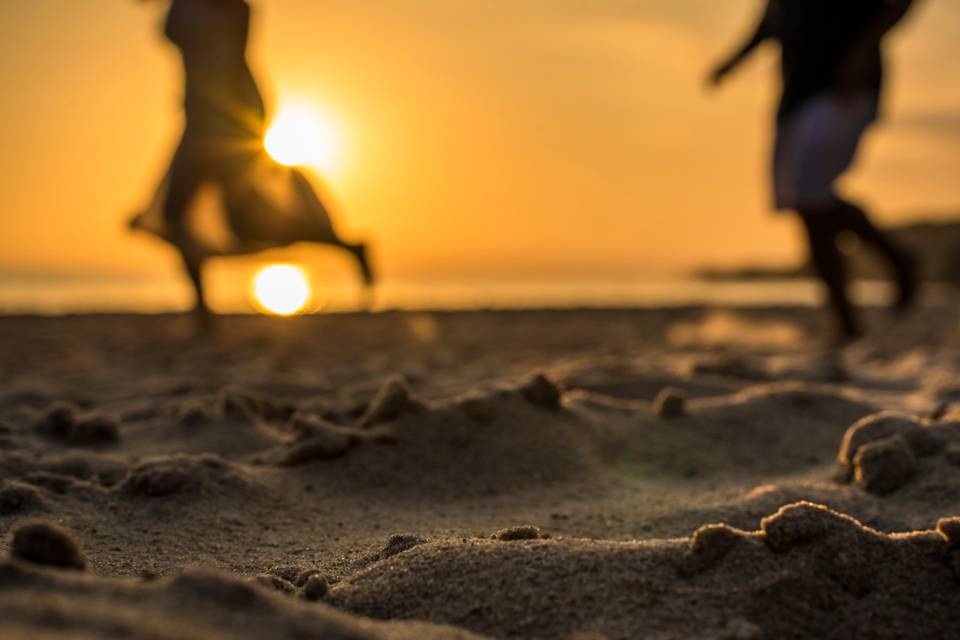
(816, 36)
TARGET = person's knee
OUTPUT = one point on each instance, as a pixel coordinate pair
(818, 221)
(822, 235)
(819, 206)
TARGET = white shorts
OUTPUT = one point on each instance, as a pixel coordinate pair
(815, 146)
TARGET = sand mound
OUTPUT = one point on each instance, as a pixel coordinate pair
(485, 443)
(246, 426)
(203, 476)
(104, 470)
(19, 498)
(44, 543)
(542, 392)
(572, 503)
(523, 532)
(807, 572)
(914, 459)
(232, 425)
(29, 483)
(775, 429)
(243, 405)
(393, 400)
(64, 423)
(316, 439)
(671, 403)
(398, 543)
(39, 604)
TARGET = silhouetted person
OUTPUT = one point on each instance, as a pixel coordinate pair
(260, 203)
(832, 66)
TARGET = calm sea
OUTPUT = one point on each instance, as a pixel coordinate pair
(59, 294)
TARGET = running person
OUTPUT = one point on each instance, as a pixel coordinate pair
(222, 148)
(833, 72)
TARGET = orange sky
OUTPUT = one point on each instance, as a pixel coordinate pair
(481, 138)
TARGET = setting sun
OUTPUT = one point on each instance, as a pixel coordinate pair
(302, 136)
(281, 289)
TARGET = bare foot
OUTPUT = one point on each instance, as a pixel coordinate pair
(908, 284)
(360, 253)
(204, 322)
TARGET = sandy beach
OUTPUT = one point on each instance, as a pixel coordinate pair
(436, 320)
(578, 474)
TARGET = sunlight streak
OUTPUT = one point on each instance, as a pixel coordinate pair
(303, 136)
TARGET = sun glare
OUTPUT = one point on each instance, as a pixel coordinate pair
(301, 136)
(281, 289)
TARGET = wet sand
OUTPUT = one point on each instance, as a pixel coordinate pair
(541, 474)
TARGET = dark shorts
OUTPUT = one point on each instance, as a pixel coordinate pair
(815, 146)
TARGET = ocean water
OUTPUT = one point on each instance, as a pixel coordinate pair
(62, 294)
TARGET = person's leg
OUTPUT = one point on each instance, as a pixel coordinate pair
(852, 218)
(193, 265)
(359, 252)
(184, 182)
(834, 149)
(801, 145)
(822, 230)
(325, 232)
(827, 137)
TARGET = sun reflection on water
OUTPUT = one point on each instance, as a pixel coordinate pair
(281, 289)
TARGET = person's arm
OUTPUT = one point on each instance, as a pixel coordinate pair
(253, 98)
(893, 12)
(865, 44)
(172, 22)
(764, 31)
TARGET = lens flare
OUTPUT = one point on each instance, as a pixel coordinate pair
(281, 289)
(300, 136)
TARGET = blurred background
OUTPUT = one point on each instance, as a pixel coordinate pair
(543, 152)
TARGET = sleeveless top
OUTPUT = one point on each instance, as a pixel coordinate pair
(221, 97)
(816, 36)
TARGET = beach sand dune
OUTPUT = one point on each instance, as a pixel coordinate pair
(567, 474)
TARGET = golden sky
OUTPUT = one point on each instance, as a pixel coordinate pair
(482, 138)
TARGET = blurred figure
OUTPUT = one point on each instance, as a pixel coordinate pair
(252, 203)
(832, 67)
